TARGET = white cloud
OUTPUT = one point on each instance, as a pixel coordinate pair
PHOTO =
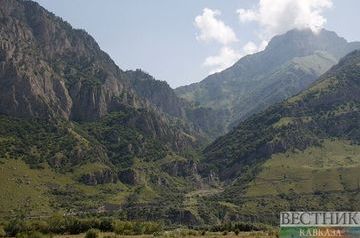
(226, 58)
(273, 17)
(247, 15)
(263, 45)
(278, 16)
(212, 28)
(250, 48)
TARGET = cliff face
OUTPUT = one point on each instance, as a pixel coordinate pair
(48, 68)
(157, 93)
(207, 121)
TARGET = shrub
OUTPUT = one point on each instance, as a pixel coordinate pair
(38, 225)
(237, 232)
(57, 224)
(138, 228)
(135, 228)
(123, 228)
(14, 227)
(106, 225)
(92, 233)
(2, 232)
(152, 227)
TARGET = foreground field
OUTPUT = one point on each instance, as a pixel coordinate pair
(181, 233)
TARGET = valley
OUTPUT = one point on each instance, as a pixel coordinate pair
(86, 145)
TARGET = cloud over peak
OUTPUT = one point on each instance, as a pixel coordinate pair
(278, 16)
(273, 17)
(212, 28)
(226, 58)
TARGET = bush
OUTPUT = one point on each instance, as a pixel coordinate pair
(139, 228)
(38, 225)
(59, 224)
(14, 227)
(92, 233)
(122, 228)
(135, 228)
(2, 232)
(237, 232)
(106, 225)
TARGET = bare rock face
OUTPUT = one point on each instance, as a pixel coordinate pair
(181, 168)
(49, 69)
(99, 177)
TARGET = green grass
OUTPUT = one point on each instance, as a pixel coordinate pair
(39, 192)
(333, 166)
(24, 189)
(324, 177)
(88, 169)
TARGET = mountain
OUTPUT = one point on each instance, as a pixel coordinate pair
(209, 122)
(76, 134)
(302, 154)
(51, 71)
(79, 136)
(290, 63)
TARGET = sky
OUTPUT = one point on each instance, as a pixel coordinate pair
(183, 41)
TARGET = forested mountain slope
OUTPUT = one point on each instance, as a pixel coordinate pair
(290, 63)
(302, 154)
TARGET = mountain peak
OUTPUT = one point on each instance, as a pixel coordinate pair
(333, 98)
(289, 64)
(301, 42)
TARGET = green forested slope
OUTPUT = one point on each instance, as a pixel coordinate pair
(300, 154)
(290, 63)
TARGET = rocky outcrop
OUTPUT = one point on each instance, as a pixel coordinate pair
(129, 177)
(181, 168)
(99, 177)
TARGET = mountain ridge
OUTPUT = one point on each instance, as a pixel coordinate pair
(299, 154)
(239, 88)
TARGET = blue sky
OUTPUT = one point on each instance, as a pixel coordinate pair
(181, 43)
